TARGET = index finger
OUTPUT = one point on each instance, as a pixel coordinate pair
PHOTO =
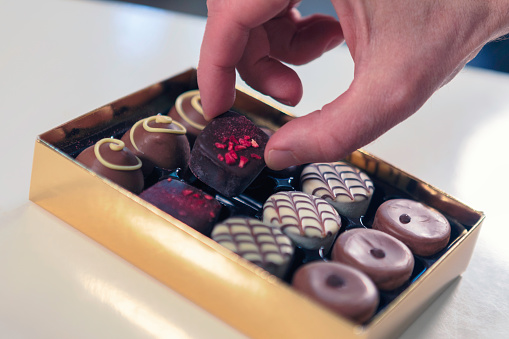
(226, 35)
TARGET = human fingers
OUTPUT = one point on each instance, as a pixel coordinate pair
(226, 35)
(297, 40)
(266, 74)
(371, 106)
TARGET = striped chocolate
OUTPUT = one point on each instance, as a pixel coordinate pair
(309, 221)
(346, 187)
(255, 241)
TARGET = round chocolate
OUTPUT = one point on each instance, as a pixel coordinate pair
(111, 159)
(189, 112)
(341, 288)
(385, 259)
(309, 221)
(345, 187)
(261, 244)
(423, 229)
(159, 141)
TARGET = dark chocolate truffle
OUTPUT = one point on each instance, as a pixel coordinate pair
(344, 186)
(257, 242)
(341, 288)
(228, 154)
(309, 221)
(111, 159)
(385, 259)
(189, 112)
(184, 202)
(423, 229)
(159, 141)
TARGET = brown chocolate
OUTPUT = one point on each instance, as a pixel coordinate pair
(184, 202)
(423, 229)
(341, 288)
(257, 242)
(385, 259)
(159, 141)
(309, 221)
(346, 187)
(189, 112)
(228, 154)
(111, 159)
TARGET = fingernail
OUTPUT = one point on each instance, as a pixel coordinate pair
(278, 159)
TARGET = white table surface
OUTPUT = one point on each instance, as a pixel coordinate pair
(60, 59)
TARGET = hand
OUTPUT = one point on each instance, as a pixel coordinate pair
(403, 52)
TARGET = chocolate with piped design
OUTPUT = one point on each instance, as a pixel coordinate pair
(423, 229)
(186, 203)
(189, 112)
(159, 141)
(385, 259)
(346, 187)
(257, 242)
(309, 221)
(110, 158)
(228, 153)
(341, 288)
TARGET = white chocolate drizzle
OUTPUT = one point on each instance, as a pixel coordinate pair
(160, 119)
(336, 181)
(254, 241)
(301, 214)
(195, 103)
(117, 146)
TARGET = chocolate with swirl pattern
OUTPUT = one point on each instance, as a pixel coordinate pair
(309, 221)
(345, 187)
(257, 242)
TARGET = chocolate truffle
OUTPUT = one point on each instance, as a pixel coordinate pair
(159, 141)
(344, 186)
(385, 259)
(228, 154)
(188, 111)
(309, 221)
(257, 242)
(423, 229)
(341, 288)
(111, 159)
(184, 202)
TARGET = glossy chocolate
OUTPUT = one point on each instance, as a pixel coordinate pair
(184, 202)
(111, 159)
(385, 259)
(159, 141)
(309, 221)
(228, 154)
(346, 187)
(189, 112)
(341, 288)
(257, 242)
(423, 229)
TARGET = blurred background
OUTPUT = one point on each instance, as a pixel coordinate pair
(494, 56)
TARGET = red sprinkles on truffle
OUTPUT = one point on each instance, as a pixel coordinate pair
(236, 145)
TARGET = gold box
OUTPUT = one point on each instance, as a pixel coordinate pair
(236, 291)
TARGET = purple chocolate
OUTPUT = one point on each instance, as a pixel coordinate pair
(228, 154)
(184, 202)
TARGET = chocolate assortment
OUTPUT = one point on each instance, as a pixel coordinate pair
(223, 190)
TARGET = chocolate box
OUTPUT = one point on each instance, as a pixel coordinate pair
(236, 291)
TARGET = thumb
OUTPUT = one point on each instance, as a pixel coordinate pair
(365, 111)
